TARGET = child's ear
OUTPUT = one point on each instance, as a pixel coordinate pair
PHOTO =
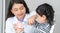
(44, 17)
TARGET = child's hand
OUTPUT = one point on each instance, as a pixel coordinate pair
(30, 21)
(17, 28)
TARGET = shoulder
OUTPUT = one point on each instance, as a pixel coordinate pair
(9, 20)
(52, 28)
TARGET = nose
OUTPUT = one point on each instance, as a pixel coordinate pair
(19, 11)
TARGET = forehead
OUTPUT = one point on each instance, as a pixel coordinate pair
(17, 5)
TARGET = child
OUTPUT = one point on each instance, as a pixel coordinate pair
(44, 18)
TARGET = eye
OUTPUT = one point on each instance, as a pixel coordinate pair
(15, 9)
(21, 8)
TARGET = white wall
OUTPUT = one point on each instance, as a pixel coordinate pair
(32, 4)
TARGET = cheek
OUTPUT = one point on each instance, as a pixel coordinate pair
(24, 10)
(39, 17)
(15, 13)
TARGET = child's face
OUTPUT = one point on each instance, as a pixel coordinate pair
(18, 10)
(40, 19)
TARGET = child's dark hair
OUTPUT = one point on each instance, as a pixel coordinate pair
(47, 10)
(9, 14)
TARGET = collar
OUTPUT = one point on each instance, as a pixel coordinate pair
(25, 18)
(41, 25)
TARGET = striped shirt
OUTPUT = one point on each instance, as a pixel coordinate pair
(41, 28)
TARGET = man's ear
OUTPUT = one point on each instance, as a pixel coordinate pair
(44, 17)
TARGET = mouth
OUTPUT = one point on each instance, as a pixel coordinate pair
(20, 14)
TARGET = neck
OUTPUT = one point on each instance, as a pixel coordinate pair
(41, 21)
(21, 18)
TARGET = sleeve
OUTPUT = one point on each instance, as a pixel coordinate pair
(8, 26)
(29, 29)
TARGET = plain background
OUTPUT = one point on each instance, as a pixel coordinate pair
(32, 4)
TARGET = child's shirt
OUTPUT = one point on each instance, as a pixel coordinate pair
(41, 28)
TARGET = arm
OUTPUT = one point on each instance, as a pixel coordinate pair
(12, 28)
(30, 21)
(9, 28)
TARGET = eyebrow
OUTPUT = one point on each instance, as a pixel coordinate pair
(20, 7)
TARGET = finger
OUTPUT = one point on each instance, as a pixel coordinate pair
(32, 22)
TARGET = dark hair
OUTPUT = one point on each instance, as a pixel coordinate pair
(9, 14)
(47, 10)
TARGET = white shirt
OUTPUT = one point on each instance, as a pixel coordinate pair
(10, 21)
